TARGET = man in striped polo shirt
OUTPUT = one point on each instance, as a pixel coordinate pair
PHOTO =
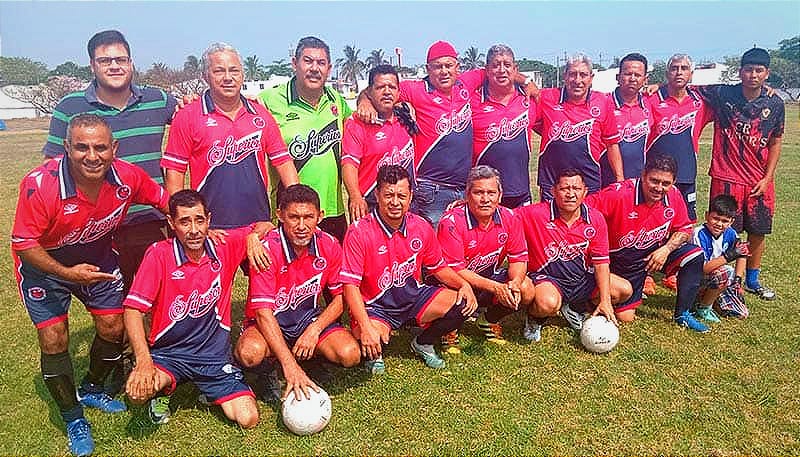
(137, 116)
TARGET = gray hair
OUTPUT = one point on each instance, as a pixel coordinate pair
(483, 172)
(678, 58)
(214, 48)
(578, 59)
(496, 50)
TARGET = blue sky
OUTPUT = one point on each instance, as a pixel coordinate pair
(54, 32)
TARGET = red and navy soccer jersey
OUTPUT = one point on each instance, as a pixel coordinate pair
(574, 135)
(190, 302)
(370, 146)
(227, 158)
(566, 253)
(742, 130)
(501, 138)
(292, 285)
(635, 229)
(386, 264)
(54, 214)
(467, 245)
(676, 129)
(633, 122)
(443, 146)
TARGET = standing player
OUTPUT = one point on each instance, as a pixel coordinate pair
(500, 117)
(185, 283)
(283, 318)
(67, 212)
(225, 141)
(477, 239)
(367, 146)
(577, 127)
(568, 258)
(748, 130)
(384, 253)
(648, 231)
(311, 117)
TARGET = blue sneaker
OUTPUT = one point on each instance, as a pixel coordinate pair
(573, 318)
(375, 367)
(533, 329)
(79, 434)
(707, 314)
(687, 320)
(100, 400)
(428, 354)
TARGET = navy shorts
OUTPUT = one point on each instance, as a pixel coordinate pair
(395, 317)
(486, 298)
(47, 297)
(689, 192)
(575, 295)
(290, 341)
(219, 381)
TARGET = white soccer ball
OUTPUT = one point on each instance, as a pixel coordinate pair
(307, 415)
(599, 334)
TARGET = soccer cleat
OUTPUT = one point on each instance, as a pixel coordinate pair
(763, 292)
(573, 318)
(269, 386)
(532, 330)
(375, 367)
(649, 288)
(159, 410)
(493, 332)
(79, 434)
(687, 320)
(670, 282)
(707, 314)
(451, 343)
(100, 400)
(428, 354)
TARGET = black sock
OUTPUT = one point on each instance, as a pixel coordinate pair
(60, 381)
(452, 320)
(496, 312)
(103, 357)
(689, 277)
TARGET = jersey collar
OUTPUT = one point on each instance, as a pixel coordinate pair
(619, 102)
(208, 103)
(564, 98)
(430, 89)
(387, 230)
(66, 185)
(663, 94)
(485, 90)
(91, 94)
(294, 97)
(180, 253)
(555, 213)
(472, 221)
(639, 198)
(288, 251)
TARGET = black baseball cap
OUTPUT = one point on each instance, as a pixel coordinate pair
(755, 56)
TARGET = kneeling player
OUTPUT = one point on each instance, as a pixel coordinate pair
(476, 239)
(568, 258)
(384, 253)
(283, 318)
(185, 282)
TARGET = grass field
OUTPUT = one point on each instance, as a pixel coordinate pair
(663, 390)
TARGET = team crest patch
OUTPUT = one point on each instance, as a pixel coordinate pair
(525, 102)
(320, 263)
(765, 113)
(595, 111)
(646, 112)
(335, 110)
(258, 121)
(502, 238)
(589, 232)
(416, 244)
(697, 103)
(464, 94)
(216, 266)
(669, 213)
(37, 293)
(123, 192)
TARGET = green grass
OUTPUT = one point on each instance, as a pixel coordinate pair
(663, 390)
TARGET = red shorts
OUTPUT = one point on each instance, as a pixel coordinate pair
(755, 213)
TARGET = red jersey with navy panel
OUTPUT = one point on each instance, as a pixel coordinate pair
(54, 214)
(292, 285)
(676, 129)
(501, 138)
(742, 132)
(565, 253)
(386, 264)
(574, 136)
(370, 146)
(443, 147)
(227, 158)
(190, 302)
(467, 245)
(634, 122)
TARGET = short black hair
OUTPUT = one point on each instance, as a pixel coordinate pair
(382, 69)
(661, 162)
(87, 120)
(298, 193)
(186, 198)
(634, 57)
(391, 174)
(105, 38)
(568, 173)
(724, 205)
(313, 43)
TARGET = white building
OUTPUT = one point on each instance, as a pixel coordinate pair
(11, 108)
(713, 73)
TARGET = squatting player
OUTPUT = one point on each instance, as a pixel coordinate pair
(384, 253)
(67, 212)
(283, 318)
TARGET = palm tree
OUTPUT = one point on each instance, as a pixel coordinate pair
(472, 59)
(375, 58)
(252, 69)
(350, 67)
(279, 68)
(192, 66)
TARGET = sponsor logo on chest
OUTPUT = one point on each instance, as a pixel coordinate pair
(93, 230)
(569, 132)
(234, 150)
(397, 275)
(564, 251)
(455, 121)
(197, 304)
(297, 294)
(644, 239)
